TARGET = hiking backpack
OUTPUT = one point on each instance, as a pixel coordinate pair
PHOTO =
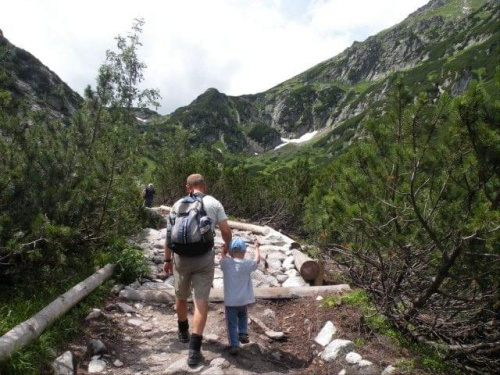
(189, 229)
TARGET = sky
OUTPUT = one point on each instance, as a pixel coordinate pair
(236, 46)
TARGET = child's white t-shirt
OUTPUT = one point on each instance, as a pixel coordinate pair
(238, 287)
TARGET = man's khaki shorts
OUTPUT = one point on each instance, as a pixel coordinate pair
(196, 273)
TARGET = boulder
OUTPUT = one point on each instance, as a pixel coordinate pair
(64, 364)
(336, 349)
(324, 336)
(96, 347)
(353, 358)
(96, 366)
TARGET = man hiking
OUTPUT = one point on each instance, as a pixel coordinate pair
(148, 194)
(189, 254)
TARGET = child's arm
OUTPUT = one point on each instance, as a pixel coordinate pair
(223, 252)
(257, 251)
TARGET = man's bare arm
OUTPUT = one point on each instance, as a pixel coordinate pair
(227, 235)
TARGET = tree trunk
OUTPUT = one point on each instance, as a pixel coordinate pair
(30, 329)
(217, 295)
(307, 267)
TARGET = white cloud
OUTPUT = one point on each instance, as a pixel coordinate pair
(239, 47)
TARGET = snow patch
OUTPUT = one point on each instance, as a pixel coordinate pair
(306, 137)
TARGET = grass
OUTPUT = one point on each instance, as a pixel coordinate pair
(26, 297)
(37, 356)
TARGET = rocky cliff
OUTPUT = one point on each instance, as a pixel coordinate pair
(28, 79)
(440, 47)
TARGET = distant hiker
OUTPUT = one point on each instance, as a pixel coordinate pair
(238, 290)
(148, 194)
(189, 253)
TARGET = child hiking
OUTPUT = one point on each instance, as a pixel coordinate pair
(238, 290)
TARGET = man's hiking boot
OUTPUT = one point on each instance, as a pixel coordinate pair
(244, 338)
(184, 336)
(183, 333)
(194, 357)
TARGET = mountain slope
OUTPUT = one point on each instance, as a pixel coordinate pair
(441, 46)
(28, 79)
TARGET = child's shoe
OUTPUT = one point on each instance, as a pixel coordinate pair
(244, 338)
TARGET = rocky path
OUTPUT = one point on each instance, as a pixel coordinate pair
(138, 338)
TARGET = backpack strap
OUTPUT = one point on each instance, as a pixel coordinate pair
(199, 197)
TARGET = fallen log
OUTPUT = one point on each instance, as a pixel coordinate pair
(257, 229)
(217, 295)
(307, 267)
(289, 241)
(30, 329)
(321, 274)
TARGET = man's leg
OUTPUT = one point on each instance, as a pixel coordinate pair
(202, 282)
(181, 308)
(200, 316)
(199, 321)
(182, 291)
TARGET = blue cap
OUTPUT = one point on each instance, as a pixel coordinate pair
(238, 245)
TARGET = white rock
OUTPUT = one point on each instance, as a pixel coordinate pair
(94, 314)
(211, 337)
(181, 367)
(118, 363)
(135, 322)
(281, 278)
(326, 334)
(342, 372)
(96, 366)
(273, 263)
(353, 358)
(319, 298)
(63, 365)
(364, 363)
(389, 370)
(218, 284)
(126, 308)
(336, 349)
(295, 281)
(219, 362)
(278, 255)
(289, 263)
(213, 371)
(292, 273)
(170, 281)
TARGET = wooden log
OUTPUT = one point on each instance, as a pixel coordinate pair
(25, 332)
(292, 244)
(321, 274)
(307, 267)
(257, 229)
(217, 295)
